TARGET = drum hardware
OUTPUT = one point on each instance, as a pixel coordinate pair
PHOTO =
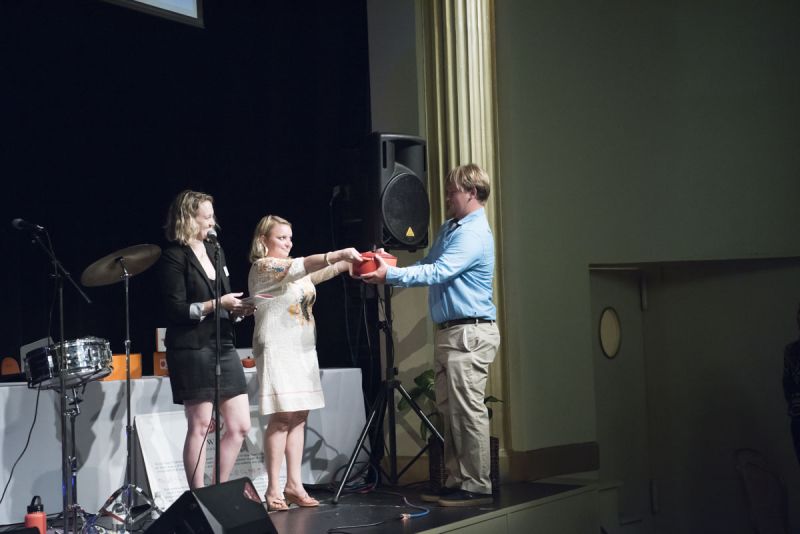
(68, 468)
(73, 411)
(87, 359)
(122, 265)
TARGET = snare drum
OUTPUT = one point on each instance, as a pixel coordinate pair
(88, 358)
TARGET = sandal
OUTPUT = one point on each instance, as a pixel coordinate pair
(306, 502)
(276, 504)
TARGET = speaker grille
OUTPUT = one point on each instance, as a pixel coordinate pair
(405, 209)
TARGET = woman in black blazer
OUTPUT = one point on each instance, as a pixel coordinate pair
(187, 276)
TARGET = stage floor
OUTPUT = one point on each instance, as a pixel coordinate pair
(385, 506)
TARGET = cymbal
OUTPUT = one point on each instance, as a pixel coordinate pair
(108, 269)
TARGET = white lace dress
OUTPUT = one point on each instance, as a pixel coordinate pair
(284, 338)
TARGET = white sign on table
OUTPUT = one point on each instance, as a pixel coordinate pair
(161, 437)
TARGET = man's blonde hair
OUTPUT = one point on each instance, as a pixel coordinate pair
(468, 177)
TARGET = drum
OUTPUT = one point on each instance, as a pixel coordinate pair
(88, 358)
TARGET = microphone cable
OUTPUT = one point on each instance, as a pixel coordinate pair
(25, 448)
(335, 194)
(200, 452)
(403, 517)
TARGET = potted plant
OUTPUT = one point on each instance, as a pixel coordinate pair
(424, 394)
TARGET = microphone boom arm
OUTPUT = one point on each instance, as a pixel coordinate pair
(59, 267)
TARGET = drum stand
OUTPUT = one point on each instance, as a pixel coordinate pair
(69, 465)
(70, 409)
(128, 489)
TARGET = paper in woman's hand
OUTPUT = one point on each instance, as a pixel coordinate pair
(255, 300)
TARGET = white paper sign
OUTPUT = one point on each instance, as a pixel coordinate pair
(161, 437)
(161, 333)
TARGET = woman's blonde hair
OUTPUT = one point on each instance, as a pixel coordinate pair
(181, 225)
(258, 249)
(468, 177)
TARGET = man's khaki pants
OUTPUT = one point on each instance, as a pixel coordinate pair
(462, 357)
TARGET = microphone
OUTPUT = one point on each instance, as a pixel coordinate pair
(212, 236)
(22, 224)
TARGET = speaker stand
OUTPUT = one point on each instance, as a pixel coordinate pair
(384, 404)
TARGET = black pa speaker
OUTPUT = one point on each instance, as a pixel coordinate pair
(397, 198)
(232, 507)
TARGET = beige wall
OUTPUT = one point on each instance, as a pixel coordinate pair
(648, 132)
(629, 132)
(714, 338)
(632, 131)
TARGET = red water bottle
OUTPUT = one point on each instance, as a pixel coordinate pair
(36, 517)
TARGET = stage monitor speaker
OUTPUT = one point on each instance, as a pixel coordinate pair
(397, 205)
(233, 507)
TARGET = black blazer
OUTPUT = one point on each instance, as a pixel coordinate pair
(183, 282)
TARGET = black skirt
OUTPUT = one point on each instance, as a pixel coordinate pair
(191, 374)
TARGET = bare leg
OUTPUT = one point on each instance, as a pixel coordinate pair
(198, 419)
(235, 411)
(274, 448)
(294, 452)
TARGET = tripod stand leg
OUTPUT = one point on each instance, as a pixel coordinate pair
(376, 406)
(127, 492)
(414, 459)
(427, 422)
(414, 406)
(141, 493)
(128, 489)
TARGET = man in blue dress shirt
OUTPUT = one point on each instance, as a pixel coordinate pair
(458, 270)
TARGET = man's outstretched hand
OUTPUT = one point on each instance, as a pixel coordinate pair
(378, 276)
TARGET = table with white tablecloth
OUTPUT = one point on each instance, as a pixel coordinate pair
(331, 435)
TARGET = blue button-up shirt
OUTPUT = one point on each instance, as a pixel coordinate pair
(459, 268)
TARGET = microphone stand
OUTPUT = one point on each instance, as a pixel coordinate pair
(217, 366)
(68, 462)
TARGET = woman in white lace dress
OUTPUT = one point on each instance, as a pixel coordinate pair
(284, 346)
